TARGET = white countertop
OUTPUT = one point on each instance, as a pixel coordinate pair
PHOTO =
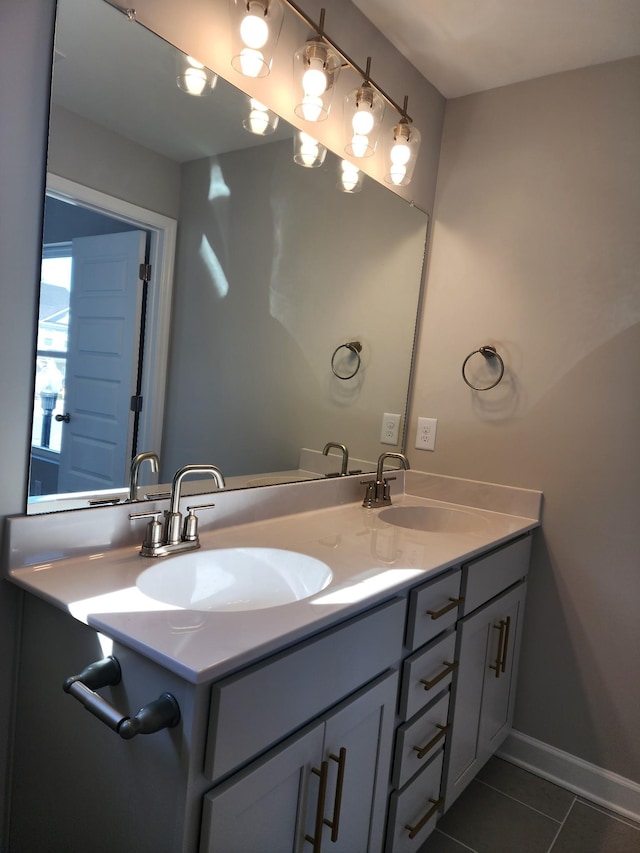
(370, 559)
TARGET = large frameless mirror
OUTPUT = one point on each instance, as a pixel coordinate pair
(279, 311)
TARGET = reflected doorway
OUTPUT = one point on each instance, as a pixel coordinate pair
(101, 348)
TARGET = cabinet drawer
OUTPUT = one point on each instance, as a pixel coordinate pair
(487, 577)
(414, 811)
(433, 607)
(259, 706)
(418, 740)
(426, 673)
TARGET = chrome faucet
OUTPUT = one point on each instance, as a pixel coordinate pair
(160, 541)
(136, 464)
(378, 492)
(345, 454)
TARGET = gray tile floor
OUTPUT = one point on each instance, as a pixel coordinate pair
(507, 810)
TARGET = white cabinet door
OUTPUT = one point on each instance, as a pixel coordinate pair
(483, 696)
(323, 790)
(358, 742)
(264, 808)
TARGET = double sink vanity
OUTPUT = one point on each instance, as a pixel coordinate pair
(339, 673)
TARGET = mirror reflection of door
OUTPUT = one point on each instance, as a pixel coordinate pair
(84, 428)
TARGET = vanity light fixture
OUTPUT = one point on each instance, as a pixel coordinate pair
(255, 29)
(261, 120)
(363, 115)
(193, 77)
(402, 147)
(350, 177)
(316, 66)
(307, 151)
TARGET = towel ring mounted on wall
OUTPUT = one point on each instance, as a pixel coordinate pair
(489, 353)
(355, 347)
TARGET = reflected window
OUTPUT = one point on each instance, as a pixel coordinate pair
(53, 335)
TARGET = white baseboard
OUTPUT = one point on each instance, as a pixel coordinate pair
(589, 781)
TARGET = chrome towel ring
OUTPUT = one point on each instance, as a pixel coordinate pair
(489, 353)
(354, 347)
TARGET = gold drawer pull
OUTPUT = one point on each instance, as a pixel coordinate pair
(414, 830)
(453, 603)
(503, 643)
(423, 750)
(449, 667)
(334, 823)
(316, 839)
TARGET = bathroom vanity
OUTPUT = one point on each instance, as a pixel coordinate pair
(348, 720)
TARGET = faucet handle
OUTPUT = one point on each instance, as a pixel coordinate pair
(153, 535)
(190, 532)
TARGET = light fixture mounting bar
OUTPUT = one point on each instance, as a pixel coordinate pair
(319, 30)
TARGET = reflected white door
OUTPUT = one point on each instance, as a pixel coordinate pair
(102, 363)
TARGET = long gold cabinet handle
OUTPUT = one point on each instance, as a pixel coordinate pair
(423, 750)
(503, 627)
(334, 823)
(449, 667)
(414, 830)
(453, 603)
(316, 838)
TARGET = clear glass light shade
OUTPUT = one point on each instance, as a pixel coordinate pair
(401, 152)
(363, 114)
(307, 151)
(315, 70)
(350, 178)
(193, 77)
(255, 29)
(260, 119)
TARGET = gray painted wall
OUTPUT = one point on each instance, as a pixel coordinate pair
(95, 157)
(299, 269)
(535, 250)
(25, 61)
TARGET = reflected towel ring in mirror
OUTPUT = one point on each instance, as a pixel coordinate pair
(489, 353)
(355, 347)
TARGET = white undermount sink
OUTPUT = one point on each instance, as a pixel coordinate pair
(434, 519)
(234, 579)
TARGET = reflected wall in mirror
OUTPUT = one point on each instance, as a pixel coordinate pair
(274, 269)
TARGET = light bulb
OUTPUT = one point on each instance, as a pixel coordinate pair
(400, 153)
(195, 80)
(309, 149)
(362, 121)
(314, 80)
(251, 62)
(311, 108)
(258, 121)
(349, 175)
(359, 145)
(397, 173)
(254, 30)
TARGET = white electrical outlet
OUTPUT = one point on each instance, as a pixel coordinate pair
(426, 435)
(390, 429)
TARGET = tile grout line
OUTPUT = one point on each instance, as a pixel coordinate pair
(608, 813)
(457, 841)
(562, 824)
(520, 802)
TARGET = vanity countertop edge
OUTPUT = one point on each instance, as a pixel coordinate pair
(372, 561)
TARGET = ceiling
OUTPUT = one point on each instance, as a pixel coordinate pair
(465, 46)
